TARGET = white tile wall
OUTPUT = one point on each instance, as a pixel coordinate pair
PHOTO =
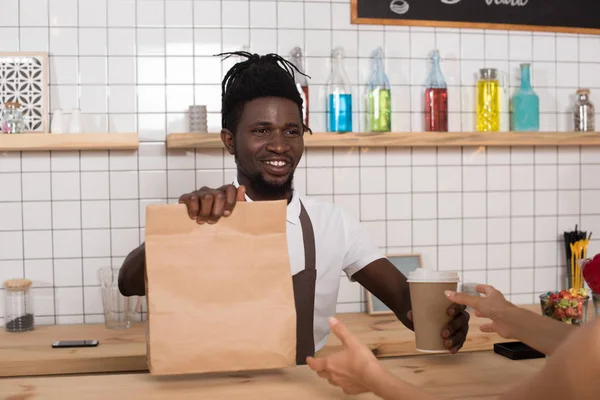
(496, 215)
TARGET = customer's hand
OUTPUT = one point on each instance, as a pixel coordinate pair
(350, 368)
(455, 332)
(208, 205)
(492, 305)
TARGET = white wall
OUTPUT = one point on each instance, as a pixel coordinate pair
(495, 214)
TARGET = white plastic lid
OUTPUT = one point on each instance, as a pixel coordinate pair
(427, 275)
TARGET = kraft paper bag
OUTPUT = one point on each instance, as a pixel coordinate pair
(220, 297)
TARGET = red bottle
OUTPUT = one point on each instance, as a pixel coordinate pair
(301, 81)
(436, 98)
(436, 110)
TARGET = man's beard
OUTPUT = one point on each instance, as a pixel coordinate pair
(269, 190)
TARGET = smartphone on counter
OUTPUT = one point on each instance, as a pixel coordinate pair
(74, 343)
(517, 351)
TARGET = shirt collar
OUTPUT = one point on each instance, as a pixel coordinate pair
(293, 208)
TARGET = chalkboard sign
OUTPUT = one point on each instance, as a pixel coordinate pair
(571, 16)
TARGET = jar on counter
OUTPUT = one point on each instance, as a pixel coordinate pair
(584, 112)
(12, 118)
(18, 305)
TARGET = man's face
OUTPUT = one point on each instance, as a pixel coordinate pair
(268, 145)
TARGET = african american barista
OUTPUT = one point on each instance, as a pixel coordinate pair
(262, 128)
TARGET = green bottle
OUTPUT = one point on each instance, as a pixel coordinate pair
(379, 109)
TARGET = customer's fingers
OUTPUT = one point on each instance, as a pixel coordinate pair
(488, 328)
(332, 382)
(316, 364)
(340, 330)
(323, 374)
(463, 299)
(485, 289)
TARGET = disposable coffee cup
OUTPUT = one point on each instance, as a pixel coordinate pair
(430, 307)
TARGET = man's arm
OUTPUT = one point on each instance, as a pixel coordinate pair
(205, 206)
(131, 275)
(389, 285)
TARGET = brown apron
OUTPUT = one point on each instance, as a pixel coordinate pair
(304, 293)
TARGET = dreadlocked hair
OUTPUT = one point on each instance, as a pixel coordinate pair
(258, 76)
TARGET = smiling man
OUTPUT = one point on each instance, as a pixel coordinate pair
(263, 130)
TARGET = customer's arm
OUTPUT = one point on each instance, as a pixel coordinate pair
(512, 322)
(356, 370)
(131, 275)
(542, 333)
(572, 372)
(387, 386)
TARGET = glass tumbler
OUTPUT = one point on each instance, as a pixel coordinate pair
(471, 290)
(18, 306)
(118, 309)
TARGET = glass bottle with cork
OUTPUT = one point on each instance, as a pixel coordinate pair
(436, 97)
(525, 105)
(339, 95)
(18, 305)
(584, 112)
(301, 81)
(379, 113)
(488, 101)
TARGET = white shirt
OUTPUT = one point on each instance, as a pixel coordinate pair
(341, 245)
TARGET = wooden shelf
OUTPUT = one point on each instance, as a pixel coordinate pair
(68, 141)
(411, 139)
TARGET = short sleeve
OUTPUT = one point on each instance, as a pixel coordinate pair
(359, 249)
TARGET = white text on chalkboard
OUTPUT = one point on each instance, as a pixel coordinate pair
(514, 3)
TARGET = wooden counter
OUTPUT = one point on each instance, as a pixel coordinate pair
(30, 353)
(482, 375)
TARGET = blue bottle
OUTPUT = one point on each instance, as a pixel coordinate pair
(525, 105)
(339, 95)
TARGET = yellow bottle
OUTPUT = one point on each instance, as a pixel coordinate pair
(488, 101)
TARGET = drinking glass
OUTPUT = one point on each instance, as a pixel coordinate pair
(118, 309)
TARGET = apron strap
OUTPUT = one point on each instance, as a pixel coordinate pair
(308, 235)
(304, 293)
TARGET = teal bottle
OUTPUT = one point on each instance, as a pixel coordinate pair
(525, 105)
